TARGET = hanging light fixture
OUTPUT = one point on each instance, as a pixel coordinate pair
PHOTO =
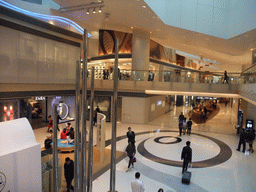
(87, 12)
(94, 11)
(100, 10)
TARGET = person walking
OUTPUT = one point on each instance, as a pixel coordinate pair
(130, 135)
(97, 109)
(95, 118)
(225, 77)
(251, 138)
(186, 156)
(50, 124)
(130, 150)
(189, 124)
(58, 121)
(181, 117)
(69, 173)
(242, 141)
(180, 126)
(137, 185)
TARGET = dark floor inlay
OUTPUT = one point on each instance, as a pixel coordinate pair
(224, 154)
(157, 140)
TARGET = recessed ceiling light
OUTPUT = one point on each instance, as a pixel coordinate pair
(144, 6)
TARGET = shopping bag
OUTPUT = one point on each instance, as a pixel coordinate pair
(133, 160)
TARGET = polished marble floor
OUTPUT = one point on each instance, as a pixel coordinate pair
(217, 166)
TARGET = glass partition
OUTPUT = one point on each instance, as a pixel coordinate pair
(174, 76)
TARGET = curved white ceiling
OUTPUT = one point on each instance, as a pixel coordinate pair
(219, 18)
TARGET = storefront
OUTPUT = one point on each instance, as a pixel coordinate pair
(65, 107)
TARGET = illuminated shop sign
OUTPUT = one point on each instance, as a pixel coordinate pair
(39, 98)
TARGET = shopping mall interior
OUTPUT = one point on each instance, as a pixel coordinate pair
(164, 58)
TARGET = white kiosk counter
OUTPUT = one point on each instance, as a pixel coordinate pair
(20, 157)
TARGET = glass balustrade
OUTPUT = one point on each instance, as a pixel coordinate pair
(175, 76)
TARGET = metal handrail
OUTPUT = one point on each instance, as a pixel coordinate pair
(174, 76)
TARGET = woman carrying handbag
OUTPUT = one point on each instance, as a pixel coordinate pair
(131, 150)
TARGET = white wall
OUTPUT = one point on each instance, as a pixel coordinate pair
(93, 44)
(26, 58)
(248, 91)
(20, 157)
(134, 110)
(159, 110)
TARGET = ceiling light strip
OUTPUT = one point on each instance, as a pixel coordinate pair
(43, 16)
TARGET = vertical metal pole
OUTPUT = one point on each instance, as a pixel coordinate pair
(84, 112)
(76, 156)
(113, 144)
(90, 151)
(55, 150)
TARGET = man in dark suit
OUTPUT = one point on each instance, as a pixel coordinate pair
(69, 173)
(242, 140)
(189, 124)
(181, 117)
(130, 135)
(186, 156)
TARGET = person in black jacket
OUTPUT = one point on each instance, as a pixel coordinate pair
(189, 124)
(181, 117)
(225, 77)
(242, 140)
(130, 135)
(130, 150)
(69, 173)
(251, 138)
(186, 156)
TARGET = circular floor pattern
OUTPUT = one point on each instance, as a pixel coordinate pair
(158, 140)
(224, 154)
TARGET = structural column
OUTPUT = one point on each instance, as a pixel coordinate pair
(140, 53)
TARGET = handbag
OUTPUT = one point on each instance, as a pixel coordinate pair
(133, 159)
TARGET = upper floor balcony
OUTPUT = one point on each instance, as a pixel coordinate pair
(150, 82)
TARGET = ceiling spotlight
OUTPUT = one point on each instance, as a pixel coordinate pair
(144, 6)
(87, 12)
(99, 10)
(94, 10)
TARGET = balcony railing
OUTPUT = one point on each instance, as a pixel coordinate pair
(175, 76)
